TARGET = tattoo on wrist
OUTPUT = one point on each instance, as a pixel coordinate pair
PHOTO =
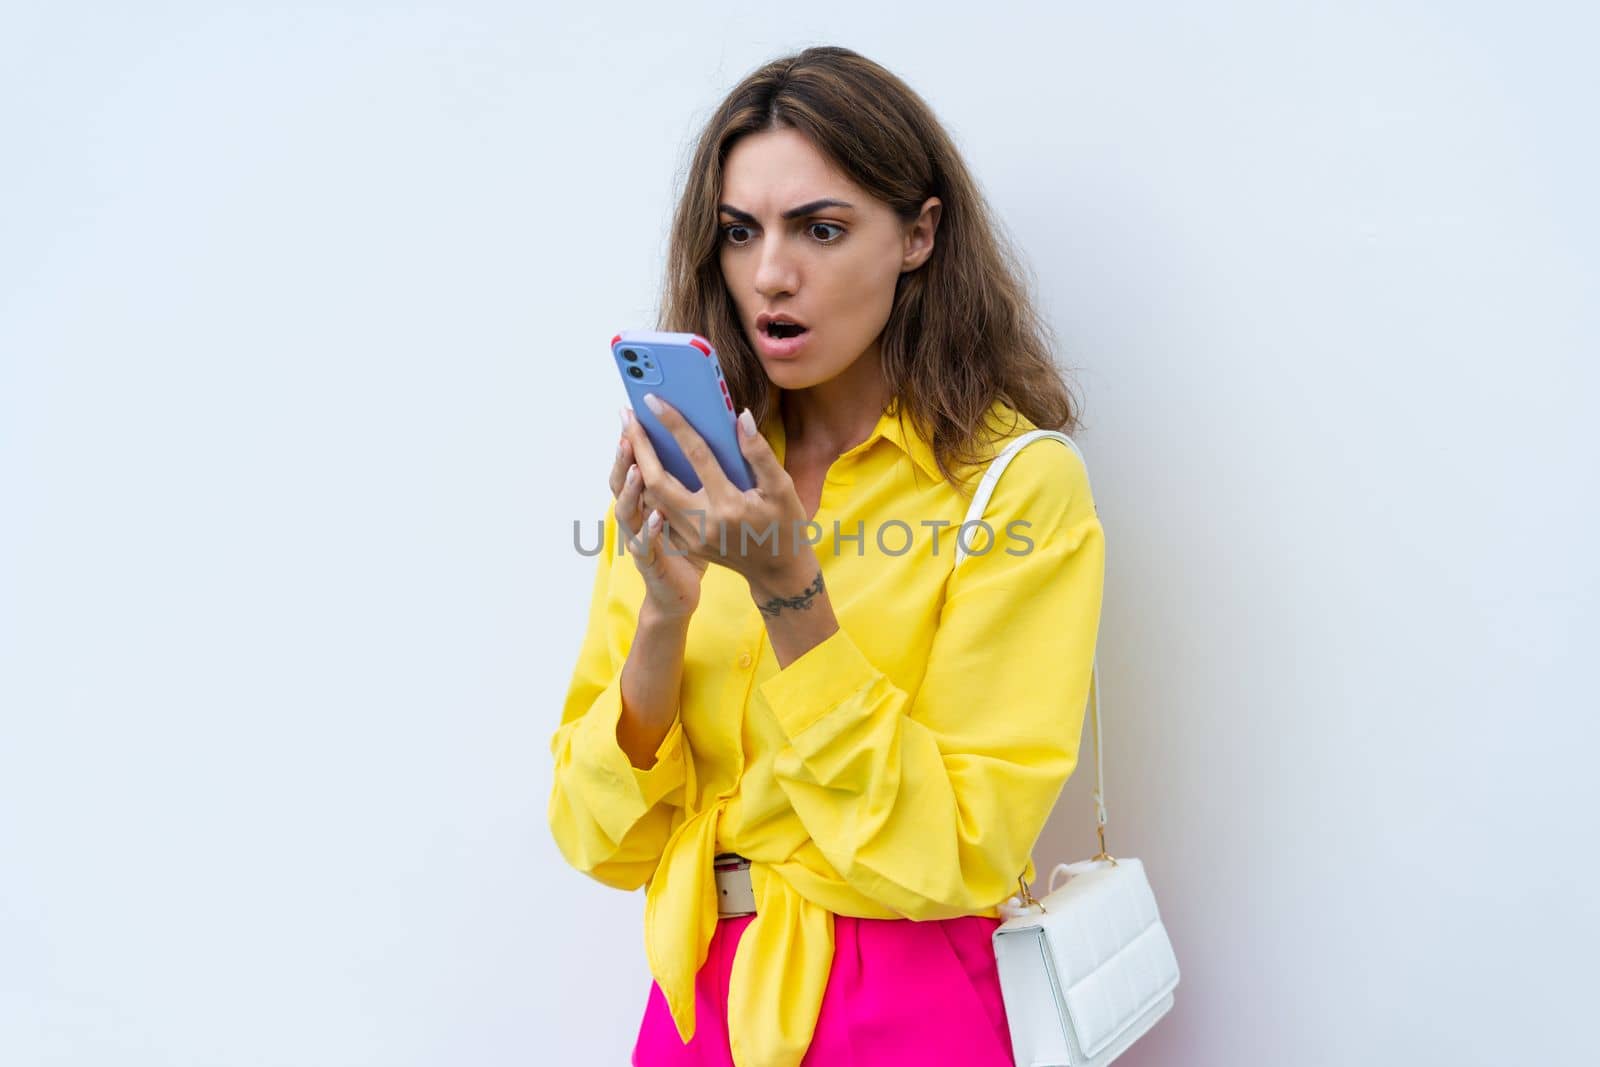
(803, 602)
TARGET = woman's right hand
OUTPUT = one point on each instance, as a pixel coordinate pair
(671, 578)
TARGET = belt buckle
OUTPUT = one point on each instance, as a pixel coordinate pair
(736, 894)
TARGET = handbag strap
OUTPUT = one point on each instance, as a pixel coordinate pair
(980, 500)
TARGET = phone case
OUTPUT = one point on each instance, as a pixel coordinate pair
(682, 369)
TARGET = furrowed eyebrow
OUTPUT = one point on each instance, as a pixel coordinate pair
(792, 213)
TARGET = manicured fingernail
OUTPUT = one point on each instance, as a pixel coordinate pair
(633, 472)
(655, 520)
(622, 413)
(654, 404)
(748, 422)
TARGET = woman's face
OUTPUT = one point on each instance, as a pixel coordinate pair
(802, 242)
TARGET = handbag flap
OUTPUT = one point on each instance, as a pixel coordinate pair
(1112, 956)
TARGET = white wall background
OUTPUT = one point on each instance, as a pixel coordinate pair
(303, 379)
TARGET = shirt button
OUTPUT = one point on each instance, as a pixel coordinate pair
(744, 659)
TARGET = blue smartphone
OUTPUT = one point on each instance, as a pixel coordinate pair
(682, 369)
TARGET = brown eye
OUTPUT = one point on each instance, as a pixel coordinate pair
(815, 226)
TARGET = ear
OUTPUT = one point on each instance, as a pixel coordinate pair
(919, 236)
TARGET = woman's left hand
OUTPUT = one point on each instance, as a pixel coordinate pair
(756, 532)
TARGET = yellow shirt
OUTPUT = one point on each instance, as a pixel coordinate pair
(903, 768)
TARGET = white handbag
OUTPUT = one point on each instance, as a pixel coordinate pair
(1088, 970)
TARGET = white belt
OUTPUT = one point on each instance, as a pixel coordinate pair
(735, 894)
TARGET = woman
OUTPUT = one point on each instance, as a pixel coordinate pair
(879, 734)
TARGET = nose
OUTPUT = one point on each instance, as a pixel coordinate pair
(775, 270)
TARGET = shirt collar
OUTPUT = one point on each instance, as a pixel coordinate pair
(907, 438)
(888, 427)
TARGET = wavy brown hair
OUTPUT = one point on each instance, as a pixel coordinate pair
(963, 330)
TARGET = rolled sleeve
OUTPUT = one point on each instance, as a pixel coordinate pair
(609, 818)
(825, 676)
(620, 792)
(929, 799)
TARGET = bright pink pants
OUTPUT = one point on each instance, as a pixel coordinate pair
(900, 993)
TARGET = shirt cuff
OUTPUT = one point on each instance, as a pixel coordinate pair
(818, 681)
(628, 792)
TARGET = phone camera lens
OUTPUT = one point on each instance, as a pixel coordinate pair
(630, 355)
(636, 372)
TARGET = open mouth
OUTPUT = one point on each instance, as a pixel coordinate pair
(778, 327)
